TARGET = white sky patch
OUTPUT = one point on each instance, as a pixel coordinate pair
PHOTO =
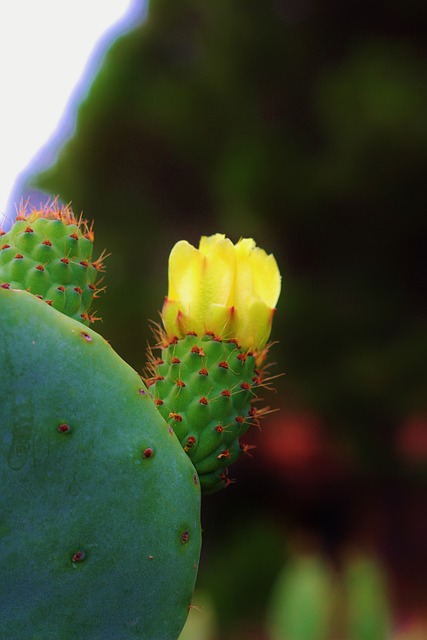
(45, 46)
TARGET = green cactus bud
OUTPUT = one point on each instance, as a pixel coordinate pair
(100, 524)
(49, 253)
(205, 387)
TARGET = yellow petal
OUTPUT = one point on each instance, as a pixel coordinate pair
(243, 281)
(244, 246)
(266, 276)
(222, 321)
(254, 325)
(217, 273)
(198, 279)
(207, 242)
(185, 272)
(173, 319)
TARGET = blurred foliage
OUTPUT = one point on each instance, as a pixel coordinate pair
(368, 608)
(239, 569)
(302, 603)
(313, 601)
(301, 124)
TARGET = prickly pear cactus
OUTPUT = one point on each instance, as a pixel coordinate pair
(99, 504)
(48, 252)
(100, 476)
(213, 347)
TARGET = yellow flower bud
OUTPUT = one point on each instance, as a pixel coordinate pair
(228, 289)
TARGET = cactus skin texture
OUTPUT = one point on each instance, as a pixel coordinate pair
(49, 253)
(205, 388)
(99, 505)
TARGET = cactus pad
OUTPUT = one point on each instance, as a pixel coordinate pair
(99, 505)
(205, 388)
(49, 253)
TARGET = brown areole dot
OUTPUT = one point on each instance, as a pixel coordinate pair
(185, 536)
(191, 441)
(78, 556)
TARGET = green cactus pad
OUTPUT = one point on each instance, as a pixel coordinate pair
(99, 505)
(49, 253)
(205, 387)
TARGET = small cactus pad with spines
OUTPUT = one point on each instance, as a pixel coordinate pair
(205, 388)
(48, 252)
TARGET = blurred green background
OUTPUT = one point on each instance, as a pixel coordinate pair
(301, 124)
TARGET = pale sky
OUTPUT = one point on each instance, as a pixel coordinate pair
(47, 49)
